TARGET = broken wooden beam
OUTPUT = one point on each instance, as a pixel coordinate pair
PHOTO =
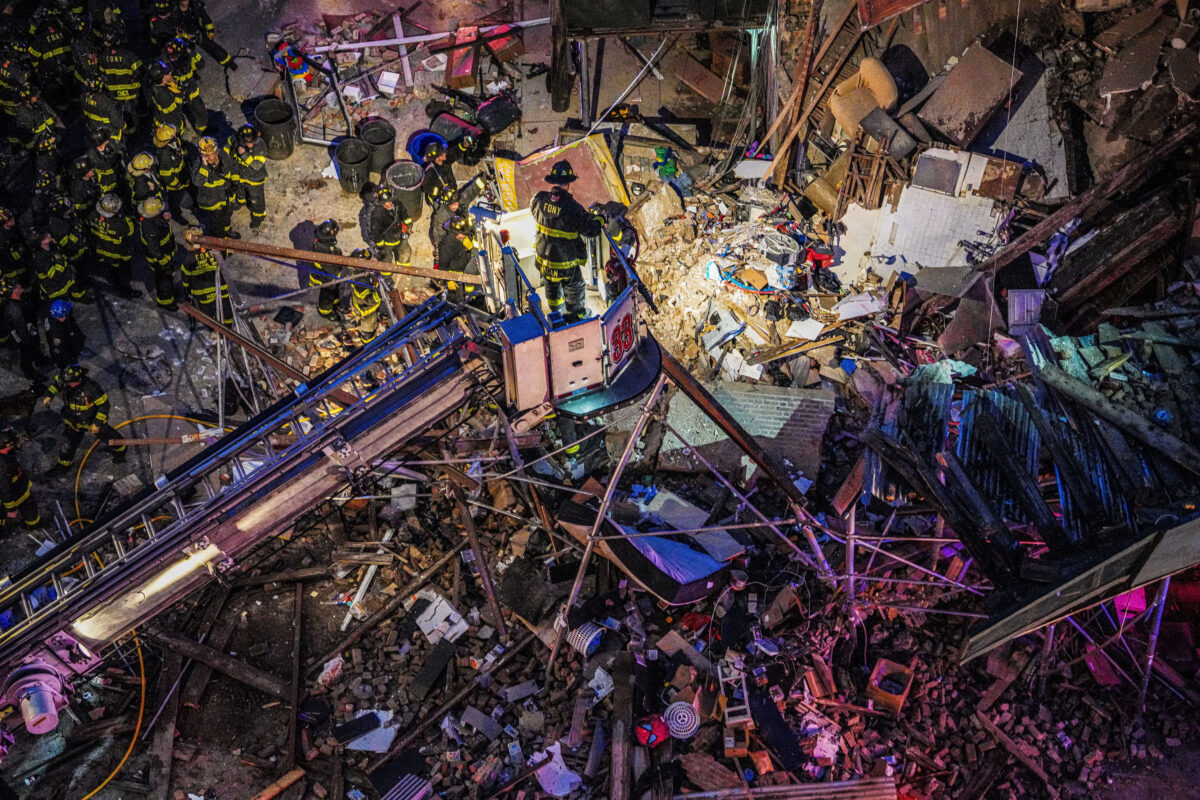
(286, 576)
(1134, 424)
(485, 577)
(164, 735)
(235, 668)
(278, 786)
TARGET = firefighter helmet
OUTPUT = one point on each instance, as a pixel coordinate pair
(176, 47)
(384, 194)
(247, 133)
(73, 373)
(459, 224)
(150, 207)
(328, 229)
(165, 134)
(81, 166)
(8, 438)
(434, 150)
(61, 205)
(207, 145)
(141, 164)
(108, 205)
(101, 133)
(159, 70)
(60, 308)
(561, 173)
(361, 252)
(6, 285)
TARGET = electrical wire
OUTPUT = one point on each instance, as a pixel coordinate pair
(137, 729)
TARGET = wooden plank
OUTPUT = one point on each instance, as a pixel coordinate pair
(697, 77)
(405, 64)
(293, 735)
(278, 786)
(164, 734)
(239, 670)
(1127, 179)
(1132, 423)
(1008, 744)
(622, 721)
(192, 691)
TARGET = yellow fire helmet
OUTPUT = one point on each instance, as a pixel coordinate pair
(141, 164)
(150, 207)
(165, 135)
(208, 145)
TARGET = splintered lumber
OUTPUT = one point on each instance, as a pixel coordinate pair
(865, 789)
(293, 734)
(368, 624)
(286, 576)
(1127, 179)
(485, 577)
(1012, 747)
(278, 786)
(235, 668)
(1130, 422)
(164, 734)
(621, 723)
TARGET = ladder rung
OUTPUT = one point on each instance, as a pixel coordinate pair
(119, 545)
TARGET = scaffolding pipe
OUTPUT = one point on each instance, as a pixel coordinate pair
(1159, 602)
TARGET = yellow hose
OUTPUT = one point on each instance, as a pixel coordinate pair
(141, 662)
(137, 729)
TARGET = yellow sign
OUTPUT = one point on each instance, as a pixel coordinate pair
(506, 177)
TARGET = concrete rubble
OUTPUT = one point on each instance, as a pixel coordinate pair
(920, 524)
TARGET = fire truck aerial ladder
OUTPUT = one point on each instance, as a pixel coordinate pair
(59, 614)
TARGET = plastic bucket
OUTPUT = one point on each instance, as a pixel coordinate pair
(404, 178)
(352, 157)
(416, 144)
(277, 124)
(586, 638)
(380, 136)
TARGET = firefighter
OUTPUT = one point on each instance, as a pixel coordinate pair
(212, 179)
(443, 210)
(171, 165)
(121, 72)
(100, 110)
(166, 96)
(107, 158)
(83, 187)
(439, 174)
(16, 490)
(33, 119)
(143, 181)
(55, 275)
(19, 320)
(85, 408)
(65, 227)
(63, 335)
(190, 20)
(560, 249)
(365, 300)
(158, 243)
(14, 257)
(249, 156)
(50, 53)
(185, 64)
(329, 298)
(14, 78)
(389, 228)
(456, 253)
(200, 271)
(112, 237)
(85, 53)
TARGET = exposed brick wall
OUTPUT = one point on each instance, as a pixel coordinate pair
(788, 423)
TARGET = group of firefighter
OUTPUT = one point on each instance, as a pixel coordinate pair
(96, 114)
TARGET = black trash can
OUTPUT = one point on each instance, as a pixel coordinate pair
(352, 157)
(380, 135)
(405, 177)
(277, 124)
